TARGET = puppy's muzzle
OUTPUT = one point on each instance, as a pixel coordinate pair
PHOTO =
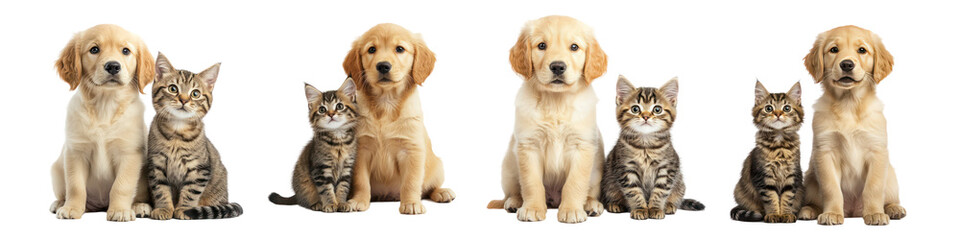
(384, 67)
(112, 67)
(847, 65)
(558, 67)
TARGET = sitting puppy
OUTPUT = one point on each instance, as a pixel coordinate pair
(99, 167)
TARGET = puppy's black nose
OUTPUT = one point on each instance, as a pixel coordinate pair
(847, 65)
(112, 67)
(558, 67)
(383, 67)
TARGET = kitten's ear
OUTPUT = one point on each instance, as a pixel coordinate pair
(163, 66)
(795, 92)
(760, 92)
(669, 91)
(624, 88)
(312, 93)
(209, 76)
(349, 89)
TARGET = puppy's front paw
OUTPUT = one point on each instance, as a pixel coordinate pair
(67, 212)
(412, 208)
(532, 213)
(829, 218)
(179, 213)
(442, 195)
(511, 204)
(358, 206)
(639, 214)
(121, 215)
(655, 213)
(161, 214)
(142, 210)
(895, 211)
(808, 213)
(876, 219)
(572, 215)
(593, 207)
(56, 205)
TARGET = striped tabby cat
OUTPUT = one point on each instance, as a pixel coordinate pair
(771, 183)
(187, 179)
(322, 176)
(642, 172)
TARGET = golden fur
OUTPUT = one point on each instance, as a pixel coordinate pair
(556, 152)
(395, 160)
(99, 168)
(850, 172)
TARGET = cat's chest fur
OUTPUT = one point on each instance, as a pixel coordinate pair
(183, 159)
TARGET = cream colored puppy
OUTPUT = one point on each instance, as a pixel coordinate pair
(556, 152)
(99, 168)
(850, 172)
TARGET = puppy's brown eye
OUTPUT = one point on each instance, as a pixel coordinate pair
(542, 46)
(372, 49)
(172, 88)
(94, 50)
(339, 106)
(574, 47)
(635, 109)
(657, 109)
(786, 108)
(768, 108)
(834, 50)
(862, 50)
(195, 94)
(400, 49)
(126, 51)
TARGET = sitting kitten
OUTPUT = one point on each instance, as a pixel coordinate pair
(642, 172)
(183, 168)
(771, 184)
(322, 176)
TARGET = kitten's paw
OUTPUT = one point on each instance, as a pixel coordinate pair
(412, 208)
(67, 212)
(56, 205)
(358, 206)
(895, 211)
(876, 219)
(442, 195)
(829, 218)
(161, 213)
(669, 209)
(571, 215)
(780, 218)
(329, 208)
(788, 218)
(655, 213)
(511, 204)
(593, 207)
(178, 213)
(142, 210)
(639, 214)
(121, 215)
(344, 207)
(808, 213)
(614, 208)
(532, 213)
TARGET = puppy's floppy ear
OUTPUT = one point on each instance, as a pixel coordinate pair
(352, 65)
(520, 56)
(145, 66)
(814, 59)
(624, 88)
(670, 90)
(69, 64)
(882, 62)
(423, 60)
(596, 63)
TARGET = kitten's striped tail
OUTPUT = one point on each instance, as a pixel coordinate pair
(691, 205)
(280, 200)
(228, 210)
(495, 204)
(740, 213)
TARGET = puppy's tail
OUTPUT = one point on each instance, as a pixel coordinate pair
(495, 204)
(280, 200)
(228, 210)
(691, 205)
(739, 213)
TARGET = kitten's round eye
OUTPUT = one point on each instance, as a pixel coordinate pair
(339, 106)
(172, 88)
(574, 47)
(657, 109)
(323, 109)
(635, 109)
(195, 93)
(94, 50)
(372, 49)
(542, 46)
(400, 49)
(834, 50)
(786, 108)
(768, 108)
(862, 50)
(126, 51)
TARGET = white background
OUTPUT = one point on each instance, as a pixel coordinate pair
(269, 48)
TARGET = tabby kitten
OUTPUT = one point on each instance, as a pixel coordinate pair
(322, 176)
(771, 184)
(642, 172)
(183, 168)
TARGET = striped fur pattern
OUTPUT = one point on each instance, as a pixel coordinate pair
(771, 182)
(322, 177)
(642, 172)
(186, 178)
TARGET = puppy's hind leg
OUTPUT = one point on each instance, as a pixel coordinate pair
(56, 173)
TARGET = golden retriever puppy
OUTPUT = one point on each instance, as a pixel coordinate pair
(395, 160)
(99, 167)
(555, 156)
(850, 172)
